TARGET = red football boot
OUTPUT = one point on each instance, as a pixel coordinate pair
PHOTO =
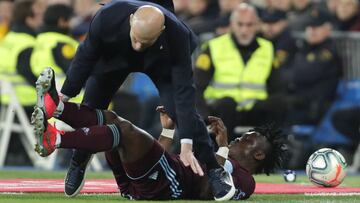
(45, 133)
(47, 95)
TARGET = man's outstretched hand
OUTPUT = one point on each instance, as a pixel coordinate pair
(188, 158)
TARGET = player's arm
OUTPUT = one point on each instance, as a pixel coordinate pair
(217, 126)
(168, 125)
(85, 59)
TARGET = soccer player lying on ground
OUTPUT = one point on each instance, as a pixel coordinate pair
(142, 167)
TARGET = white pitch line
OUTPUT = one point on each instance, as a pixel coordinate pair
(333, 194)
(11, 193)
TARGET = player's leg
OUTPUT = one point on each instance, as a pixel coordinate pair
(122, 180)
(132, 142)
(142, 157)
(52, 106)
(144, 160)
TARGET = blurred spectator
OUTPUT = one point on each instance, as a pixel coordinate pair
(231, 72)
(181, 8)
(65, 2)
(53, 46)
(227, 6)
(282, 5)
(201, 15)
(5, 14)
(84, 11)
(15, 52)
(314, 77)
(330, 6)
(298, 19)
(275, 28)
(348, 15)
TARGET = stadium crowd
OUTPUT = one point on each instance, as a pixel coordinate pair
(264, 61)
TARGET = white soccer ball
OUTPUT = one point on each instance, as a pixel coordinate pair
(326, 167)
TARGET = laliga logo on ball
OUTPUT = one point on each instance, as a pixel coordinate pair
(326, 167)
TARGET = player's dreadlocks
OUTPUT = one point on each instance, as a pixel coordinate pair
(278, 151)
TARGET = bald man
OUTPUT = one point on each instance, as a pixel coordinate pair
(137, 36)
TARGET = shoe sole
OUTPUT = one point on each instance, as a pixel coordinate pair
(82, 182)
(230, 194)
(43, 85)
(37, 120)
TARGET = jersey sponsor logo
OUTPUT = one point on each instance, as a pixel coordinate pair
(154, 175)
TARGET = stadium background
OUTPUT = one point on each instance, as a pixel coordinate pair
(208, 18)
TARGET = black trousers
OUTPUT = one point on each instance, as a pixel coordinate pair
(101, 88)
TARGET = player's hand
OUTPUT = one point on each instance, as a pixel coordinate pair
(188, 158)
(166, 121)
(218, 127)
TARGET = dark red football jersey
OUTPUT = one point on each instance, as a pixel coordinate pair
(161, 176)
(243, 181)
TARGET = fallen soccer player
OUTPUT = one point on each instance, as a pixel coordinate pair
(143, 168)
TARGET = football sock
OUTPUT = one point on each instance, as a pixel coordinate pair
(92, 139)
(78, 115)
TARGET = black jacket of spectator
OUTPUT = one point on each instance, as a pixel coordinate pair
(285, 49)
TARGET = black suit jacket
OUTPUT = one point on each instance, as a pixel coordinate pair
(108, 48)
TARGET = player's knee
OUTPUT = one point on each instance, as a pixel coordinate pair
(110, 116)
(126, 127)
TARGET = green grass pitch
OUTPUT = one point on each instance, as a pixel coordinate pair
(350, 181)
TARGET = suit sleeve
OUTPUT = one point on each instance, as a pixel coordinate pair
(85, 59)
(183, 86)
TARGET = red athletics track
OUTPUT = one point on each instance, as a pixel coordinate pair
(109, 186)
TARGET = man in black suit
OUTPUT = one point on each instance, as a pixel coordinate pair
(136, 36)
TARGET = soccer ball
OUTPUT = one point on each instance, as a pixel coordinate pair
(326, 167)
